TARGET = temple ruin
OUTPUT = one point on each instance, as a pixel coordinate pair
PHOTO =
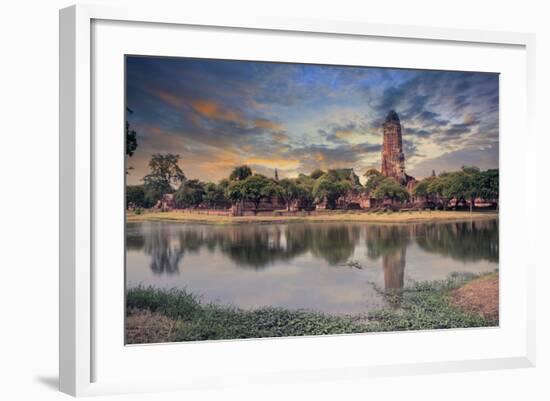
(393, 158)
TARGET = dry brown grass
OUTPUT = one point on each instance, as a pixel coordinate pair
(479, 296)
(396, 217)
(144, 326)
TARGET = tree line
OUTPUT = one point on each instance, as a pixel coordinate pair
(464, 186)
(468, 184)
(243, 185)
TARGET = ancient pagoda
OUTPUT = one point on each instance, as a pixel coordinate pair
(393, 158)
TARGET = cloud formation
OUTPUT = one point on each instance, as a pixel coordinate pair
(217, 114)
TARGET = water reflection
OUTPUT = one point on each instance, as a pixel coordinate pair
(469, 241)
(334, 244)
(259, 246)
(323, 266)
(249, 247)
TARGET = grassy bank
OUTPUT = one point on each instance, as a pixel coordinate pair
(430, 305)
(155, 315)
(340, 216)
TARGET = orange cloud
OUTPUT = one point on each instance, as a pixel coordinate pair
(206, 108)
(170, 98)
(267, 124)
(214, 110)
(211, 109)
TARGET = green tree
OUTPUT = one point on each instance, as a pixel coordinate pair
(421, 189)
(344, 174)
(438, 187)
(214, 195)
(330, 188)
(470, 169)
(456, 186)
(165, 174)
(489, 185)
(315, 174)
(391, 189)
(224, 183)
(304, 186)
(255, 188)
(189, 194)
(374, 178)
(131, 139)
(240, 173)
(464, 185)
(288, 190)
(135, 195)
(305, 180)
(234, 192)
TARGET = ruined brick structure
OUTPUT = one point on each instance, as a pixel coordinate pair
(166, 202)
(393, 158)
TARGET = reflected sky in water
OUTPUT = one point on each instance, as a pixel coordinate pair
(304, 266)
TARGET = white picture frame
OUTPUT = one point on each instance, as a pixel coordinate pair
(81, 214)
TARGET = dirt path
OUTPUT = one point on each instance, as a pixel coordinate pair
(336, 216)
(143, 326)
(479, 296)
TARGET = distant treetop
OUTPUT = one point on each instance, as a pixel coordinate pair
(240, 173)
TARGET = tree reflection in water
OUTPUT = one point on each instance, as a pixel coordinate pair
(465, 241)
(165, 246)
(335, 244)
(258, 246)
(165, 251)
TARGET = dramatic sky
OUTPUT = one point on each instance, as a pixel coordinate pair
(296, 118)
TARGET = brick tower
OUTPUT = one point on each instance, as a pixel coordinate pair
(393, 158)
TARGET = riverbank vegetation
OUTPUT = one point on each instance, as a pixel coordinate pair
(156, 315)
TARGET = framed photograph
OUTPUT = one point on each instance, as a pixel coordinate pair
(280, 200)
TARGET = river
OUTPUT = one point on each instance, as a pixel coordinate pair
(329, 267)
